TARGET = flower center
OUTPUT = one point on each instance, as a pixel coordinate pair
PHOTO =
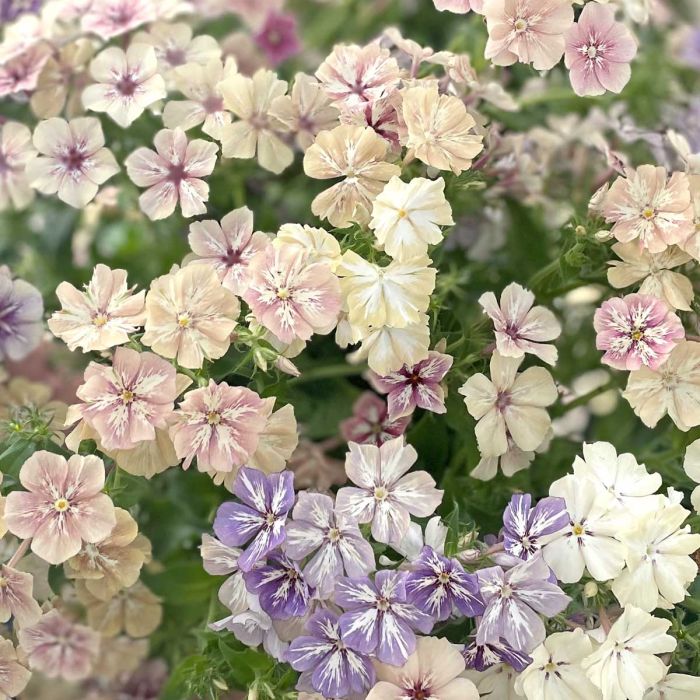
(3, 582)
(402, 213)
(127, 396)
(175, 56)
(61, 505)
(177, 172)
(99, 320)
(283, 293)
(418, 692)
(550, 667)
(213, 418)
(126, 86)
(577, 529)
(383, 605)
(270, 519)
(502, 400)
(520, 25)
(506, 591)
(591, 51)
(73, 160)
(183, 320)
(443, 578)
(334, 535)
(380, 493)
(648, 213)
(637, 334)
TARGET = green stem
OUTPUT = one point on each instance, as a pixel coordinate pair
(583, 400)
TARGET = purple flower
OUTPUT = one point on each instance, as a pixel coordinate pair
(278, 37)
(690, 52)
(525, 529)
(513, 600)
(280, 586)
(338, 543)
(260, 518)
(483, 656)
(11, 9)
(21, 311)
(326, 662)
(378, 620)
(436, 585)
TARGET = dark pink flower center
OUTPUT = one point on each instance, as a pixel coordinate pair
(213, 104)
(126, 86)
(177, 172)
(74, 159)
(175, 56)
(232, 257)
(502, 400)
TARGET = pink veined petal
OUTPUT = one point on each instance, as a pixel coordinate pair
(159, 201)
(417, 493)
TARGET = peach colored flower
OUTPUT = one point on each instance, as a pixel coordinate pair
(16, 597)
(73, 161)
(100, 317)
(172, 174)
(16, 150)
(190, 316)
(319, 245)
(62, 507)
(14, 676)
(126, 83)
(356, 154)
(110, 18)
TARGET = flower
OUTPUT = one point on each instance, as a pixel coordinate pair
(386, 497)
(190, 316)
(127, 83)
(406, 216)
(172, 174)
(416, 386)
(13, 674)
(100, 317)
(510, 462)
(556, 670)
(483, 656)
(278, 439)
(650, 207)
(513, 598)
(218, 424)
(598, 52)
(625, 664)
(281, 587)
(370, 423)
(519, 327)
(432, 671)
(356, 154)
(20, 74)
(527, 529)
(110, 18)
(592, 540)
(691, 466)
(509, 403)
(16, 598)
(354, 76)
(261, 517)
(220, 560)
(59, 648)
(21, 313)
(320, 245)
(655, 269)
(675, 686)
(378, 619)
(459, 7)
(529, 31)
(62, 507)
(325, 660)
(635, 331)
(278, 37)
(291, 296)
(16, 150)
(673, 388)
(313, 468)
(257, 131)
(72, 162)
(440, 130)
(437, 586)
(338, 544)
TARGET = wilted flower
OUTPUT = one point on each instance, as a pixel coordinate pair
(21, 312)
(16, 150)
(110, 18)
(278, 37)
(16, 598)
(370, 423)
(14, 676)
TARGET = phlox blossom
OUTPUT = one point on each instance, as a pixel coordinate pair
(110, 18)
(16, 150)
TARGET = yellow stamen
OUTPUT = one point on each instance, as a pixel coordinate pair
(99, 320)
(648, 213)
(127, 396)
(61, 505)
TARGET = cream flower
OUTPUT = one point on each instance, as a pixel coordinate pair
(691, 466)
(16, 150)
(440, 130)
(257, 131)
(14, 676)
(320, 245)
(675, 686)
(190, 316)
(357, 154)
(406, 216)
(510, 403)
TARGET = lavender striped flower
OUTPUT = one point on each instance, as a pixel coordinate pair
(280, 586)
(260, 520)
(483, 656)
(21, 311)
(326, 662)
(378, 620)
(436, 585)
(527, 529)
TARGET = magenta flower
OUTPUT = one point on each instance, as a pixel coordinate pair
(370, 423)
(278, 37)
(598, 51)
(126, 402)
(219, 425)
(172, 174)
(415, 387)
(58, 648)
(636, 330)
(16, 598)
(62, 507)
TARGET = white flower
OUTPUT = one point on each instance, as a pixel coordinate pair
(406, 216)
(591, 542)
(691, 465)
(320, 245)
(495, 683)
(625, 665)
(555, 671)
(676, 686)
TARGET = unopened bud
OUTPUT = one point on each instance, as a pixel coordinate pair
(580, 230)
(220, 683)
(259, 359)
(590, 590)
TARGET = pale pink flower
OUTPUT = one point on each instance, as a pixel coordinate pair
(172, 174)
(636, 330)
(126, 402)
(100, 317)
(190, 316)
(459, 7)
(63, 506)
(16, 598)
(218, 424)
(290, 296)
(21, 73)
(354, 76)
(519, 327)
(73, 161)
(649, 206)
(598, 51)
(529, 31)
(59, 648)
(370, 423)
(127, 83)
(110, 18)
(228, 246)
(14, 676)
(16, 150)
